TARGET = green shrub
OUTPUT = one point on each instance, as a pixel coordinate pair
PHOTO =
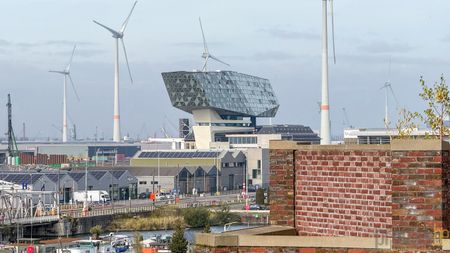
(96, 231)
(224, 216)
(196, 217)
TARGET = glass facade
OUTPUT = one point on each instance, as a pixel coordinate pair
(227, 92)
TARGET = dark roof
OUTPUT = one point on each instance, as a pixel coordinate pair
(290, 132)
(166, 171)
(117, 173)
(178, 154)
(97, 173)
(54, 177)
(19, 178)
(76, 176)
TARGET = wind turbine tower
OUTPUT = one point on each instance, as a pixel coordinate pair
(325, 124)
(66, 73)
(118, 35)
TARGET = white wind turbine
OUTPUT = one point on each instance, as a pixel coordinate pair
(206, 55)
(118, 35)
(388, 87)
(66, 73)
(325, 124)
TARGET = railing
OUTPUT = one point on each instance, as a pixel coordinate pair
(144, 206)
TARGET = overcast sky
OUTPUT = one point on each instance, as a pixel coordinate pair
(278, 40)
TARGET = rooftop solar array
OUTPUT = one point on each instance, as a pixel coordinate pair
(117, 173)
(176, 154)
(76, 175)
(19, 178)
(97, 174)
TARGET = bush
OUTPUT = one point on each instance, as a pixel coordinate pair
(196, 217)
(96, 231)
(178, 243)
(224, 216)
(260, 196)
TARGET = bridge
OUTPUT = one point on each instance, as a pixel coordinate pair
(33, 215)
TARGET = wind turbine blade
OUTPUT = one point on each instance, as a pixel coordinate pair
(393, 94)
(73, 87)
(216, 59)
(205, 46)
(107, 28)
(126, 59)
(125, 23)
(71, 58)
(55, 71)
(332, 30)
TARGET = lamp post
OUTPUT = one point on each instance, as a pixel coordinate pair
(85, 204)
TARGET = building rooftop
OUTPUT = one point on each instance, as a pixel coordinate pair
(229, 93)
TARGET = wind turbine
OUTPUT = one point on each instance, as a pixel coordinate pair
(206, 55)
(118, 35)
(388, 87)
(66, 73)
(325, 125)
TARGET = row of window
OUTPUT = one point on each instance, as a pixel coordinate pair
(145, 182)
(242, 140)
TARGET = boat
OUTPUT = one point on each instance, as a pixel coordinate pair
(86, 246)
(120, 243)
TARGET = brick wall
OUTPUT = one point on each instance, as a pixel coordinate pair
(399, 191)
(281, 197)
(343, 192)
(419, 196)
(202, 249)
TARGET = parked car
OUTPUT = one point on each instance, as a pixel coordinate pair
(143, 195)
(255, 207)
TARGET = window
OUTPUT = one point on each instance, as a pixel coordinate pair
(90, 187)
(254, 173)
(259, 164)
(142, 182)
(154, 182)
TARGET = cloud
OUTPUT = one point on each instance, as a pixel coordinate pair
(380, 47)
(4, 42)
(446, 38)
(272, 55)
(83, 52)
(289, 34)
(197, 44)
(26, 45)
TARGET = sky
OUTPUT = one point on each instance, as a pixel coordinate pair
(277, 40)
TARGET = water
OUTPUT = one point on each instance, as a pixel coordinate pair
(189, 233)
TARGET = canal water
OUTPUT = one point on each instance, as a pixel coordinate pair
(189, 234)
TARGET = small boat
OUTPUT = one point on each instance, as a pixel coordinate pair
(120, 243)
(86, 246)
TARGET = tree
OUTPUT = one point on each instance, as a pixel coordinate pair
(406, 123)
(196, 217)
(260, 196)
(178, 243)
(207, 228)
(438, 101)
(96, 231)
(224, 216)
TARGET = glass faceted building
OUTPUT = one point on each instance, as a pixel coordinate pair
(228, 93)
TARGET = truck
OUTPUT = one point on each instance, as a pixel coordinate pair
(93, 196)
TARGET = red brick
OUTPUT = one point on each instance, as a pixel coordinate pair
(307, 250)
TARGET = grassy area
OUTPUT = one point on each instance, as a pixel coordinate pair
(167, 217)
(161, 219)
